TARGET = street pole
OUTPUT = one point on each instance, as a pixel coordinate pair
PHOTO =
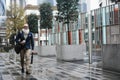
(38, 32)
(89, 31)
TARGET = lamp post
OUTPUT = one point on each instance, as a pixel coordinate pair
(89, 32)
(38, 32)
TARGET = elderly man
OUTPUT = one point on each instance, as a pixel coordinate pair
(25, 38)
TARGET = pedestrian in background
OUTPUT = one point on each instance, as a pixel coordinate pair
(25, 39)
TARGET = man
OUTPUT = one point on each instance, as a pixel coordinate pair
(25, 38)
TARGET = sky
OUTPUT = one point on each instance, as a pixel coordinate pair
(94, 3)
(33, 2)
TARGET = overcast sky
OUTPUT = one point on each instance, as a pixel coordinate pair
(33, 2)
(94, 3)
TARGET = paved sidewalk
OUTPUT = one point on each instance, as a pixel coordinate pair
(49, 69)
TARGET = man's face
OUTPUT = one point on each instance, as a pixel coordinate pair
(25, 27)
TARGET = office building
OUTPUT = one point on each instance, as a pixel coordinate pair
(2, 7)
(2, 22)
(20, 3)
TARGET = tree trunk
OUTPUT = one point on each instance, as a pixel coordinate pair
(80, 36)
(69, 35)
(46, 36)
(69, 38)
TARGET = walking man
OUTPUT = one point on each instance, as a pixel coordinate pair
(25, 39)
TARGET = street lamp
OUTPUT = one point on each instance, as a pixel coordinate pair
(38, 32)
(89, 31)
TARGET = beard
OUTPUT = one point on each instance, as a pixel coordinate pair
(26, 31)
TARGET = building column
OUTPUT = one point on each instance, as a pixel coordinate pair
(3, 41)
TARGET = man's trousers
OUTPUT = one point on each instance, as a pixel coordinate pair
(25, 58)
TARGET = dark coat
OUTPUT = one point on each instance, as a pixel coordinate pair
(29, 44)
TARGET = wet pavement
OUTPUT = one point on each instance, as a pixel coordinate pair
(45, 68)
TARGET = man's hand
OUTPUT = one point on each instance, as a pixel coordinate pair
(22, 42)
(34, 52)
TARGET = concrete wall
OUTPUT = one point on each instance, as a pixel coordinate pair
(111, 57)
(47, 50)
(37, 49)
(113, 34)
(70, 52)
(97, 52)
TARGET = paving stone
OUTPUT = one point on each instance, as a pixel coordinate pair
(5, 73)
(89, 78)
(7, 77)
(16, 74)
(50, 69)
(11, 68)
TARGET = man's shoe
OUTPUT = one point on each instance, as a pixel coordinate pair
(22, 70)
(27, 72)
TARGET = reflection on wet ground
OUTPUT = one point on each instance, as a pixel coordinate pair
(50, 69)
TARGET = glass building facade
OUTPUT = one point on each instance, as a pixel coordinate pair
(2, 7)
(2, 22)
(105, 23)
